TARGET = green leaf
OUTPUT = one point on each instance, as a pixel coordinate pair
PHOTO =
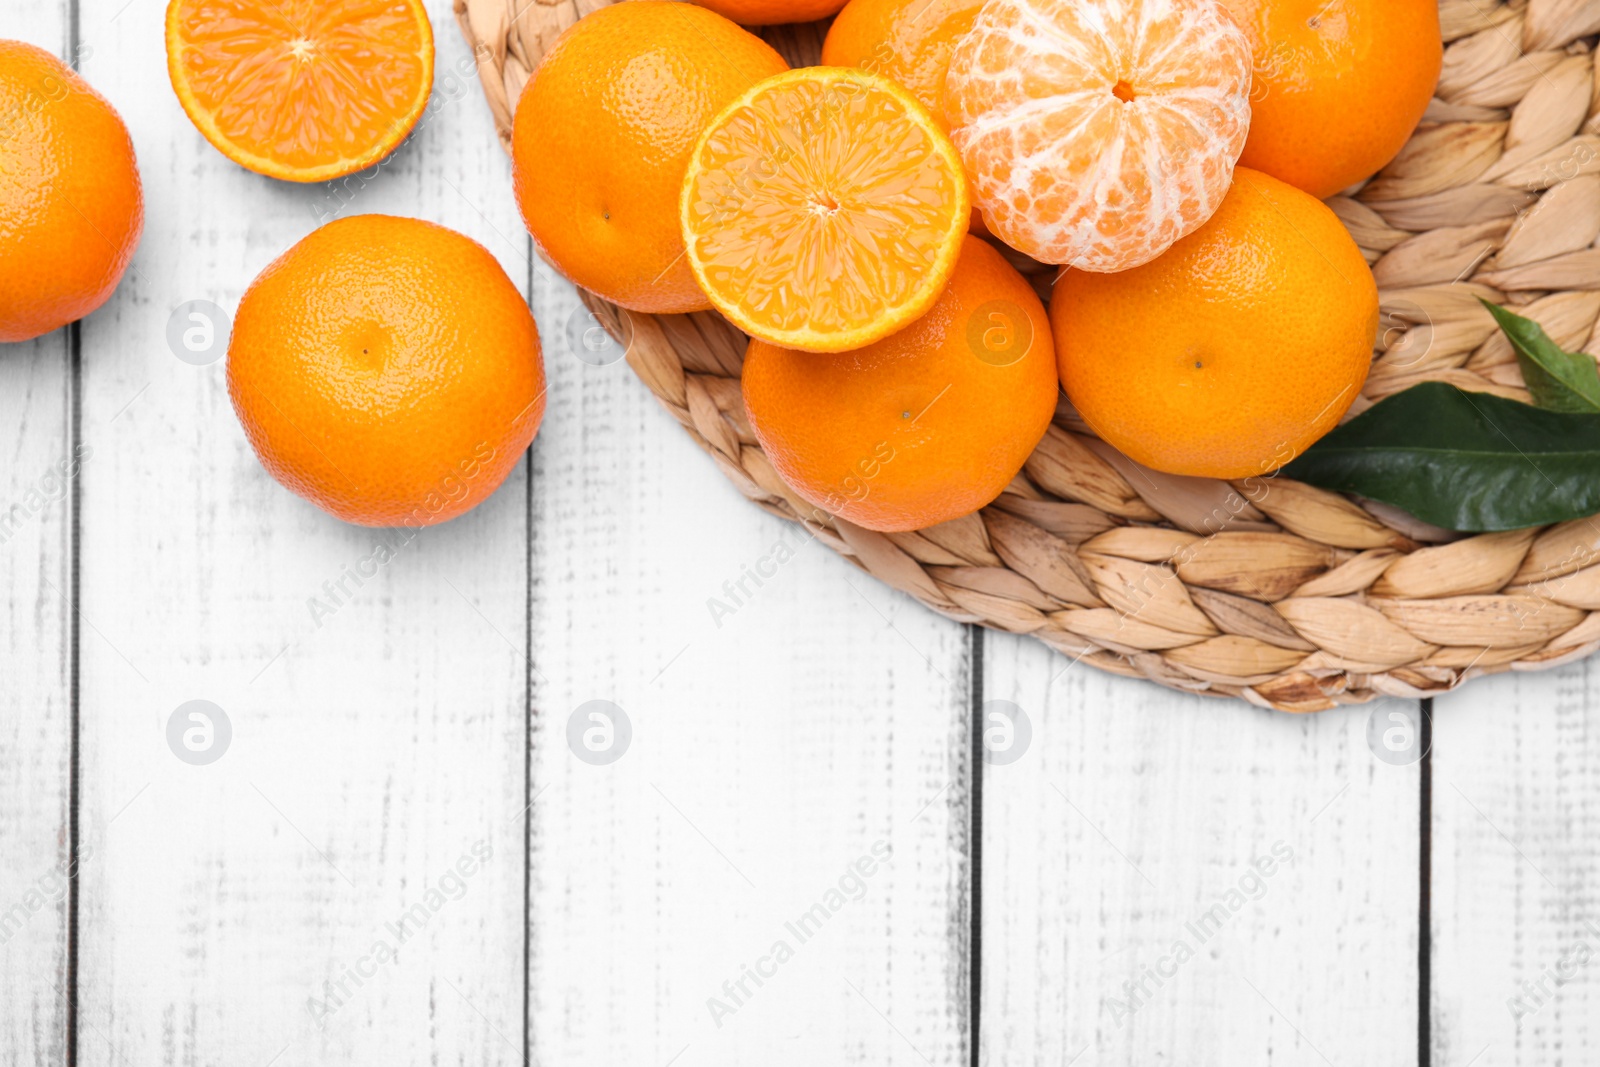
(1464, 461)
(1559, 380)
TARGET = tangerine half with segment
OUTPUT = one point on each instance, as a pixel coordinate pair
(303, 90)
(823, 209)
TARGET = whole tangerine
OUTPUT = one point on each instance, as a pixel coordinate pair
(927, 424)
(71, 206)
(1339, 85)
(908, 41)
(1232, 353)
(602, 138)
(387, 370)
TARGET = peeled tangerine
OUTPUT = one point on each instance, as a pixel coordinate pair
(1098, 132)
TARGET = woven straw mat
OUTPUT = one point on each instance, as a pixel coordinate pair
(1289, 597)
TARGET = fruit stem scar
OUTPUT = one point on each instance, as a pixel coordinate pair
(301, 48)
(1123, 91)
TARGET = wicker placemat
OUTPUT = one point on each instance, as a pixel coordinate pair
(1288, 596)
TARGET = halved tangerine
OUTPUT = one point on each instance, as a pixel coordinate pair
(304, 90)
(823, 209)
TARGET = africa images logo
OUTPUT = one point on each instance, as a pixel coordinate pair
(850, 887)
(450, 885)
(1247, 888)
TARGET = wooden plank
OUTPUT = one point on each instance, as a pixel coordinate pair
(247, 909)
(1166, 875)
(1516, 846)
(694, 901)
(36, 455)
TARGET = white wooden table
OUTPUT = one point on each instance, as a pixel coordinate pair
(1156, 879)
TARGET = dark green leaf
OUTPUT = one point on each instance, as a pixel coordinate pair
(1464, 461)
(1559, 380)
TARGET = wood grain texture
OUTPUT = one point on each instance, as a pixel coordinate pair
(1516, 912)
(789, 716)
(375, 744)
(777, 741)
(36, 462)
(1125, 916)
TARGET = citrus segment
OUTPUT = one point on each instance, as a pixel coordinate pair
(1098, 132)
(923, 426)
(1233, 352)
(602, 136)
(823, 209)
(304, 90)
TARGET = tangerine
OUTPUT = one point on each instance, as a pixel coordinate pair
(908, 41)
(302, 90)
(603, 133)
(1233, 352)
(823, 209)
(1340, 85)
(771, 12)
(1098, 132)
(925, 425)
(387, 370)
(71, 205)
